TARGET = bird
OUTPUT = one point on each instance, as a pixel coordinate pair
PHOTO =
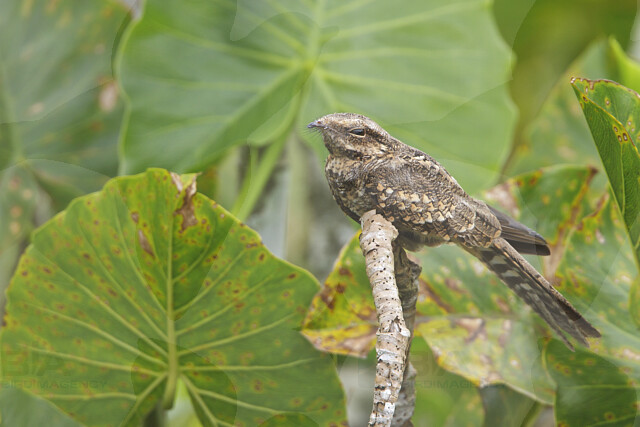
(369, 169)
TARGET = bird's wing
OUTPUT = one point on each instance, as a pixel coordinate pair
(429, 204)
(520, 237)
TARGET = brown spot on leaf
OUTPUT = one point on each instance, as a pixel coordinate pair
(340, 288)
(326, 295)
(503, 306)
(557, 247)
(16, 211)
(453, 284)
(431, 293)
(292, 276)
(474, 326)
(96, 126)
(144, 243)
(343, 271)
(135, 217)
(187, 210)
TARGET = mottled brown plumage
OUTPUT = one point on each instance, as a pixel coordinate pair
(369, 169)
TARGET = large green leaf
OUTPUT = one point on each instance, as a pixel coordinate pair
(17, 206)
(597, 272)
(534, 28)
(59, 108)
(58, 101)
(442, 398)
(613, 114)
(559, 133)
(147, 283)
(203, 76)
(475, 325)
(505, 407)
(18, 408)
(585, 377)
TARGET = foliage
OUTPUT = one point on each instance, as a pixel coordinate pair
(59, 110)
(147, 283)
(288, 63)
(612, 112)
(91, 90)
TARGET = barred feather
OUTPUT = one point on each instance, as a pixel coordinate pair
(535, 290)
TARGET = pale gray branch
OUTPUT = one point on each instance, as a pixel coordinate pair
(407, 273)
(393, 336)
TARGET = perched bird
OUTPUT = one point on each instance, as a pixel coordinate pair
(369, 169)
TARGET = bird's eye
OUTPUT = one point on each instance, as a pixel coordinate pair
(357, 131)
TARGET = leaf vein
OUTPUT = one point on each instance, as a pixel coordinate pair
(88, 361)
(99, 331)
(236, 337)
(230, 305)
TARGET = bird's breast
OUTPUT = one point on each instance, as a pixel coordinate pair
(346, 180)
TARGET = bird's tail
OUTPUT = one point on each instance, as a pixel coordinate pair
(535, 290)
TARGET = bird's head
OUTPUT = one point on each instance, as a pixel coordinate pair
(353, 135)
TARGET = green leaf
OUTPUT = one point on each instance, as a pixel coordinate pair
(59, 107)
(216, 74)
(585, 377)
(58, 102)
(18, 408)
(505, 407)
(559, 133)
(597, 273)
(442, 398)
(534, 28)
(342, 318)
(17, 207)
(613, 114)
(146, 283)
(627, 69)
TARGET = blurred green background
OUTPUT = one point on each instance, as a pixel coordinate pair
(92, 90)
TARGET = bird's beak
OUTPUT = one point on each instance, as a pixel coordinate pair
(316, 124)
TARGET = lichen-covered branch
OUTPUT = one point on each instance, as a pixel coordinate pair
(393, 336)
(407, 273)
(407, 399)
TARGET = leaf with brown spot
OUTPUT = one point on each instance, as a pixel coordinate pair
(598, 273)
(186, 211)
(54, 135)
(613, 114)
(125, 327)
(342, 318)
